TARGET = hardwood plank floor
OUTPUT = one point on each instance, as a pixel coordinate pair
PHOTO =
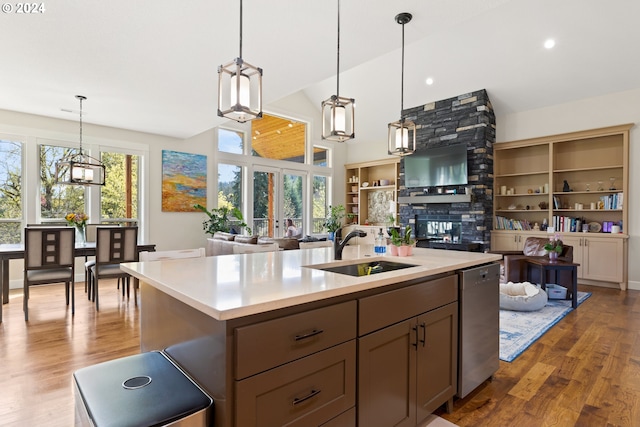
(584, 372)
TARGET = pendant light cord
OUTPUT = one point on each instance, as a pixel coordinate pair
(338, 57)
(240, 29)
(81, 98)
(402, 77)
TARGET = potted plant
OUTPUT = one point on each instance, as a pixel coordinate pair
(402, 243)
(554, 247)
(334, 220)
(391, 221)
(220, 219)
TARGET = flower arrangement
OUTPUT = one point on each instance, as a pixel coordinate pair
(554, 244)
(77, 219)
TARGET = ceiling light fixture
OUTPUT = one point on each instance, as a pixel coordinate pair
(80, 169)
(429, 81)
(402, 134)
(239, 88)
(338, 112)
(549, 43)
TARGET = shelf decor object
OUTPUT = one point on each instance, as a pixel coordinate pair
(338, 112)
(402, 134)
(77, 168)
(240, 88)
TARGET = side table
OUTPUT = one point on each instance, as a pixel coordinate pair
(543, 264)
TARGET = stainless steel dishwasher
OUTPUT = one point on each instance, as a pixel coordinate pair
(479, 326)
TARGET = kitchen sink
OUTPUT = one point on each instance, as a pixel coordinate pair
(365, 268)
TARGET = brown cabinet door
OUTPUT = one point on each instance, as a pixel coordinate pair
(387, 376)
(437, 358)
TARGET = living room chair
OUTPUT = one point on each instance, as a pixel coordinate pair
(114, 245)
(49, 258)
(515, 269)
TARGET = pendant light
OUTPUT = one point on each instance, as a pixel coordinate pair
(80, 169)
(402, 134)
(239, 88)
(337, 111)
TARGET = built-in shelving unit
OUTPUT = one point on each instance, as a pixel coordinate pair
(576, 183)
(372, 191)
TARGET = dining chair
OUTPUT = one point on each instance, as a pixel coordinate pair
(167, 255)
(250, 248)
(49, 258)
(319, 244)
(114, 245)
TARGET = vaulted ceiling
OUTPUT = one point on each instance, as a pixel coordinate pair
(152, 65)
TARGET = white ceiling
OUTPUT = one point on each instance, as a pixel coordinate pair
(151, 65)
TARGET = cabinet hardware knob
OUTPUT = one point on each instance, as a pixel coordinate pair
(298, 400)
(308, 335)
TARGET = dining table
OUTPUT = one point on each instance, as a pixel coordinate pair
(16, 251)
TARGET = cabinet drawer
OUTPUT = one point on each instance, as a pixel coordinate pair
(306, 392)
(379, 311)
(272, 343)
(346, 419)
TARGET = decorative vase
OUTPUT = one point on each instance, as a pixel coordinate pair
(393, 250)
(403, 250)
(553, 256)
(81, 235)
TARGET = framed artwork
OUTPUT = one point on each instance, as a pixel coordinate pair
(184, 181)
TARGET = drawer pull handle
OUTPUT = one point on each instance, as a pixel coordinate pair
(309, 335)
(424, 333)
(298, 400)
(415, 344)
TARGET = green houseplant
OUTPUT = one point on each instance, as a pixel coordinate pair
(220, 219)
(334, 220)
(554, 247)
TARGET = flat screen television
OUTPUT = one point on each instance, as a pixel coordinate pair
(437, 167)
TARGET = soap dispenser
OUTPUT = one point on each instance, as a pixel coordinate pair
(380, 247)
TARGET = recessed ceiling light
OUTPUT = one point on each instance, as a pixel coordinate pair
(549, 43)
(429, 81)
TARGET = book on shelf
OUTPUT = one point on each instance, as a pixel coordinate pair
(612, 201)
(503, 223)
(567, 224)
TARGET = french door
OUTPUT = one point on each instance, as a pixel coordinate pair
(278, 195)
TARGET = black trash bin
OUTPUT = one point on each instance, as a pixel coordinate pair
(146, 389)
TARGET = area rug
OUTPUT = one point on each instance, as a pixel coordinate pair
(520, 329)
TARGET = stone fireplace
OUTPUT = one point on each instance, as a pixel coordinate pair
(467, 209)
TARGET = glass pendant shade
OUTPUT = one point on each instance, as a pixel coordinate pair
(402, 138)
(338, 112)
(239, 91)
(79, 168)
(338, 118)
(240, 88)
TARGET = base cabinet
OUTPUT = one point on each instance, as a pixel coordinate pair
(409, 369)
(601, 258)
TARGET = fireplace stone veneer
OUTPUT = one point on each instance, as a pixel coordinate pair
(467, 118)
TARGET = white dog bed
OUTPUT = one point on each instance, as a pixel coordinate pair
(521, 297)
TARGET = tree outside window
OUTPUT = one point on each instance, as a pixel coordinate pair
(10, 191)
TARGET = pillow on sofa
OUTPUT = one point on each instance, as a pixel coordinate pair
(221, 235)
(246, 239)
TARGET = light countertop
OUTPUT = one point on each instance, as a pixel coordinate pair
(231, 286)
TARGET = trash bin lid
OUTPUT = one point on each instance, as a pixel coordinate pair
(141, 390)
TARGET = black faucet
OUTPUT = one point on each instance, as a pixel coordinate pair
(338, 245)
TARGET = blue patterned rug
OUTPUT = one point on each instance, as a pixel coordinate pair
(520, 329)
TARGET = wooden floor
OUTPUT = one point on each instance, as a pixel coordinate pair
(584, 372)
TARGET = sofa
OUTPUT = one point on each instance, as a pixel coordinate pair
(222, 243)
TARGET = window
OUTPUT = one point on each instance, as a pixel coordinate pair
(10, 191)
(57, 200)
(230, 141)
(320, 156)
(119, 198)
(278, 139)
(320, 203)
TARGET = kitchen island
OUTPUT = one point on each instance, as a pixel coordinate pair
(274, 339)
